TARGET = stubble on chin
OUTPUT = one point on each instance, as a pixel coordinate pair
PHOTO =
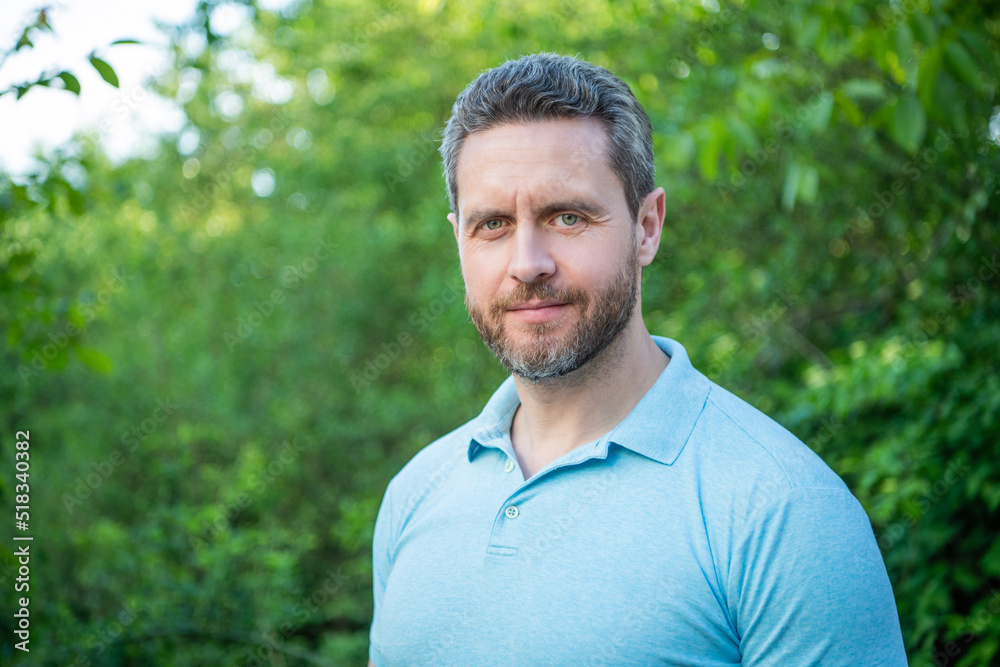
(542, 353)
(531, 350)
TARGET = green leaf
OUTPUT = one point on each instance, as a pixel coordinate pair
(72, 83)
(850, 110)
(43, 21)
(978, 47)
(76, 201)
(95, 359)
(809, 184)
(791, 188)
(863, 89)
(947, 101)
(105, 70)
(742, 133)
(708, 151)
(962, 64)
(909, 122)
(927, 74)
(19, 260)
(23, 41)
(809, 31)
(820, 116)
(125, 41)
(925, 29)
(903, 43)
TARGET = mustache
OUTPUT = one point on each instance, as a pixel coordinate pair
(540, 291)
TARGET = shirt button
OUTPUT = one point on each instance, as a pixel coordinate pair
(509, 466)
(512, 512)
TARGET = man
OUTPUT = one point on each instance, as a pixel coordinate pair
(610, 505)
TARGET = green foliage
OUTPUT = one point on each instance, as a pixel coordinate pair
(104, 69)
(66, 79)
(242, 339)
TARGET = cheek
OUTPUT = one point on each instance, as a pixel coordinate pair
(479, 283)
(482, 266)
(589, 267)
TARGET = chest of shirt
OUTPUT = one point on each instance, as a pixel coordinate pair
(597, 564)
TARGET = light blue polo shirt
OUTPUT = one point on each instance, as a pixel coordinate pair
(697, 532)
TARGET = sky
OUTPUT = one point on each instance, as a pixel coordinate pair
(127, 118)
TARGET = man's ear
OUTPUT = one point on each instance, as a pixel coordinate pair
(650, 225)
(454, 224)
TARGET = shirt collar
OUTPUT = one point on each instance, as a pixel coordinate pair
(658, 426)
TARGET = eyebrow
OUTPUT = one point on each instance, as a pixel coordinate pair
(591, 209)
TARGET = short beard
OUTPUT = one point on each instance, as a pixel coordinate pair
(604, 315)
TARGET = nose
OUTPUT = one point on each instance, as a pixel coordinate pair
(531, 258)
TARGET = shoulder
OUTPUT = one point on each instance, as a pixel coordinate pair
(740, 431)
(770, 441)
(754, 457)
(800, 541)
(720, 435)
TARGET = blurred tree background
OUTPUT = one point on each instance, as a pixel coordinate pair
(224, 352)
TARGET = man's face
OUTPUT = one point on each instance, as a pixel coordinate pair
(549, 250)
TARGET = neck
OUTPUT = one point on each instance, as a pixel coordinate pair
(560, 414)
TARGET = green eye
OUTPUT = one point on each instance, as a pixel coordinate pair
(569, 219)
(493, 225)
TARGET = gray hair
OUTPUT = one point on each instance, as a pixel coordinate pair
(547, 86)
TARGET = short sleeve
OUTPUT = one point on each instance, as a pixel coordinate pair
(382, 552)
(808, 585)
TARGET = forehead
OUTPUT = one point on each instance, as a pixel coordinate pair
(535, 162)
